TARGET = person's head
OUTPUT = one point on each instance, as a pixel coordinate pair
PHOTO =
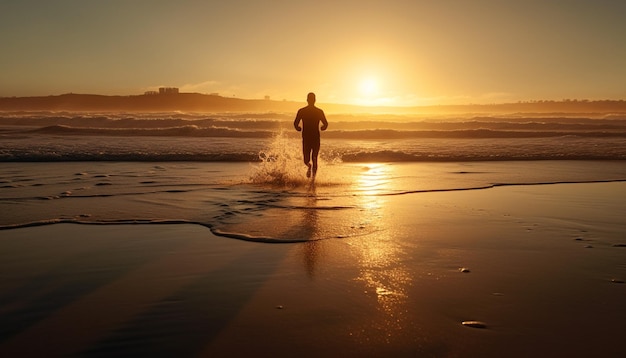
(310, 98)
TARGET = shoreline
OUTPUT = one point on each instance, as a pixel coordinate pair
(244, 237)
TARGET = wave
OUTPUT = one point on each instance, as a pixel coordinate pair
(34, 156)
(495, 185)
(184, 131)
(263, 125)
(284, 151)
(380, 156)
(374, 134)
(245, 138)
(399, 156)
(469, 133)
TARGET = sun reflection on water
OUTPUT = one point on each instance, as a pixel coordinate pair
(373, 180)
(380, 255)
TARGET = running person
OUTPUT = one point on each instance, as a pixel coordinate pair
(311, 117)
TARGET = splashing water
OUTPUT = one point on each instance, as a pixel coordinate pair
(281, 163)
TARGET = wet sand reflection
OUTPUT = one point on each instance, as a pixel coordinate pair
(311, 248)
(380, 256)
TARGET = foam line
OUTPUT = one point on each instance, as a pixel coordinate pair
(495, 185)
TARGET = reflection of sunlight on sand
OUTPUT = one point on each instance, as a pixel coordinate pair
(310, 225)
(373, 180)
(380, 256)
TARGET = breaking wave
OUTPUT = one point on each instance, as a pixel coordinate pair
(65, 136)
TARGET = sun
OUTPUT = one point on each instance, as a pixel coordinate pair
(368, 87)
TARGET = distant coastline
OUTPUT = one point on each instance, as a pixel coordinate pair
(196, 102)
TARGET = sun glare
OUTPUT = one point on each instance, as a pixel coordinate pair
(368, 87)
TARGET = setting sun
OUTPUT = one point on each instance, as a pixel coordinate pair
(368, 87)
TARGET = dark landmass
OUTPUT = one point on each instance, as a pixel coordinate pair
(195, 102)
(191, 102)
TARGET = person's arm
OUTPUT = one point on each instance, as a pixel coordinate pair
(296, 122)
(324, 122)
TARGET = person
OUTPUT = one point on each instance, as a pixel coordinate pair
(311, 117)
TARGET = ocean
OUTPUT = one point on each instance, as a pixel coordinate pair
(241, 175)
(67, 136)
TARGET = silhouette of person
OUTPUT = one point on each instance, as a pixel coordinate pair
(311, 117)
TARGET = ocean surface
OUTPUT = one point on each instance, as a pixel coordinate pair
(65, 136)
(242, 177)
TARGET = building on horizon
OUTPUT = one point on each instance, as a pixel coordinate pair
(168, 90)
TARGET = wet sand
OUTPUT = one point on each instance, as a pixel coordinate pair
(540, 267)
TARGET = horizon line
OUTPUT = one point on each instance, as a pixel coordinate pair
(534, 101)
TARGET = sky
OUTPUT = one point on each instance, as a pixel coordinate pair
(366, 52)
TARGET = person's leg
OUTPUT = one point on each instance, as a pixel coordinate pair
(306, 154)
(316, 151)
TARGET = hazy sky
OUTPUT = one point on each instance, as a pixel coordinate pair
(395, 52)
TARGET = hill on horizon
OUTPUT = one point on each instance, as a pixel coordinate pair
(196, 102)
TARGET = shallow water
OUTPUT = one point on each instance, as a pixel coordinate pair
(270, 201)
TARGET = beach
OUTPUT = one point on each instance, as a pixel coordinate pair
(423, 179)
(370, 260)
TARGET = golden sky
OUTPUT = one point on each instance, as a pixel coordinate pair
(385, 52)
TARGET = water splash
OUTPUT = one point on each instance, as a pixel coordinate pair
(281, 163)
